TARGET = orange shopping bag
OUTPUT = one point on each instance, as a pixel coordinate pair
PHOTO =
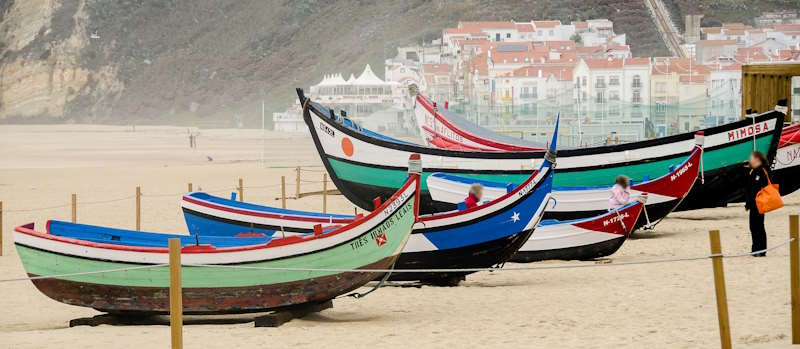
(768, 198)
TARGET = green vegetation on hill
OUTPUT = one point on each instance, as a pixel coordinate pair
(716, 12)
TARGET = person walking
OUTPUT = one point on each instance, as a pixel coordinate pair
(755, 181)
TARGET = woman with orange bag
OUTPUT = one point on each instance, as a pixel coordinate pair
(756, 180)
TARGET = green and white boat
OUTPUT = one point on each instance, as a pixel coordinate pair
(275, 273)
(364, 165)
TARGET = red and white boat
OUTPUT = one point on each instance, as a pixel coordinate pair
(580, 239)
(443, 129)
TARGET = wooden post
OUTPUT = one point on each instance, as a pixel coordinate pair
(241, 190)
(719, 284)
(74, 208)
(175, 293)
(283, 191)
(190, 187)
(297, 184)
(324, 192)
(138, 207)
(1, 228)
(794, 266)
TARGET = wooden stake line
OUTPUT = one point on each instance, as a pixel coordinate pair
(74, 208)
(719, 285)
(241, 189)
(324, 192)
(283, 191)
(794, 277)
(297, 184)
(175, 293)
(1, 228)
(138, 208)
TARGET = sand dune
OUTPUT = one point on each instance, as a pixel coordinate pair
(656, 305)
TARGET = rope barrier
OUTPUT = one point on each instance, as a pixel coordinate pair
(117, 270)
(395, 271)
(67, 205)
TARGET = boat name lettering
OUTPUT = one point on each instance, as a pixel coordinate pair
(615, 219)
(442, 130)
(326, 129)
(680, 172)
(379, 233)
(792, 155)
(748, 131)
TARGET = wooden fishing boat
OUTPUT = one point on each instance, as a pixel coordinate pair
(478, 237)
(444, 129)
(786, 167)
(229, 280)
(664, 193)
(364, 167)
(581, 239)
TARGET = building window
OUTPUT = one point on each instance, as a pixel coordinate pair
(613, 96)
(600, 82)
(661, 87)
(584, 81)
(508, 35)
(637, 81)
(600, 98)
(613, 80)
(637, 97)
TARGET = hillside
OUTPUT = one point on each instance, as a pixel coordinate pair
(201, 61)
(716, 12)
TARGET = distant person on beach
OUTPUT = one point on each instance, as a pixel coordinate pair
(619, 192)
(756, 180)
(474, 197)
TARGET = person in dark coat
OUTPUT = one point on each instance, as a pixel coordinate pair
(756, 180)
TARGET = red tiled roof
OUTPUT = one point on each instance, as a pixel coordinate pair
(603, 63)
(580, 25)
(637, 61)
(619, 47)
(716, 42)
(692, 78)
(732, 67)
(733, 25)
(524, 27)
(479, 63)
(787, 27)
(711, 30)
(560, 45)
(750, 54)
(437, 69)
(560, 73)
(590, 49)
(546, 24)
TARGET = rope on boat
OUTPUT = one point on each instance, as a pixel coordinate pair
(392, 270)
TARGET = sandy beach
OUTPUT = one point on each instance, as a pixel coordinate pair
(670, 305)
